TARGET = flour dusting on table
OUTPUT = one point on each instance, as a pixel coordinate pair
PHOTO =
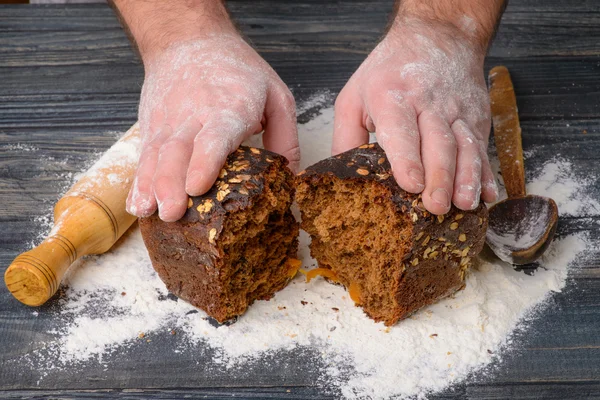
(115, 300)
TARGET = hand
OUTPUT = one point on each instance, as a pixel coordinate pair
(200, 100)
(423, 93)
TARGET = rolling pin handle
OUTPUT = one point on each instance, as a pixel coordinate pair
(34, 276)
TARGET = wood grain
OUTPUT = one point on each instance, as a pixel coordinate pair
(69, 80)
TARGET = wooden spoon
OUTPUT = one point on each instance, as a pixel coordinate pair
(522, 226)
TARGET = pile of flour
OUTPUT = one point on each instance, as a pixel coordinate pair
(115, 299)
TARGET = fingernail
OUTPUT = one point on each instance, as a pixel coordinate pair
(441, 197)
(164, 207)
(471, 194)
(192, 183)
(466, 192)
(139, 205)
(493, 186)
(417, 177)
(131, 209)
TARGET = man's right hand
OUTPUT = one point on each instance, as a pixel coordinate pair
(203, 95)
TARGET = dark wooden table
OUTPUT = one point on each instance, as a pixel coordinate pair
(68, 76)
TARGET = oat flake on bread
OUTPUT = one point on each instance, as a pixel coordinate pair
(428, 352)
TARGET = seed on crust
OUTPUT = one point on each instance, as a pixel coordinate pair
(351, 163)
(254, 150)
(211, 235)
(364, 146)
(462, 237)
(480, 221)
(250, 185)
(465, 251)
(426, 240)
(440, 219)
(237, 179)
(362, 171)
(434, 254)
(441, 239)
(383, 176)
(419, 235)
(458, 217)
(454, 226)
(205, 206)
(381, 160)
(222, 173)
(240, 165)
(302, 172)
(221, 194)
(426, 253)
(415, 262)
(190, 202)
(269, 159)
(414, 216)
(243, 191)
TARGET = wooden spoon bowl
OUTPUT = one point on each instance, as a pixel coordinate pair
(521, 229)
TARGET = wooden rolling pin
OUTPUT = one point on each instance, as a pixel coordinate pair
(88, 219)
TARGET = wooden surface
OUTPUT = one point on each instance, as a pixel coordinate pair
(68, 77)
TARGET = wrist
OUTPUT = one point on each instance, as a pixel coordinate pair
(467, 21)
(443, 35)
(156, 26)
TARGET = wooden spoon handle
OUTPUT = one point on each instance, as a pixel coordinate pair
(507, 131)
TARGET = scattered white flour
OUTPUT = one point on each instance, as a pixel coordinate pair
(557, 180)
(112, 300)
(19, 147)
(316, 100)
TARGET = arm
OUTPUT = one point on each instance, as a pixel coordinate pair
(205, 91)
(423, 93)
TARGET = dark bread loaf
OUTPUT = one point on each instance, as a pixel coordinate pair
(378, 240)
(236, 243)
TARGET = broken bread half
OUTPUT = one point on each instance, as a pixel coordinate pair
(379, 241)
(235, 244)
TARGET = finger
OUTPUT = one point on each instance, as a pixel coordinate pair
(169, 176)
(398, 134)
(218, 138)
(281, 130)
(141, 201)
(438, 152)
(482, 128)
(467, 182)
(489, 187)
(348, 127)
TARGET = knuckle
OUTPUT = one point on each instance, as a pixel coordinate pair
(342, 100)
(288, 101)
